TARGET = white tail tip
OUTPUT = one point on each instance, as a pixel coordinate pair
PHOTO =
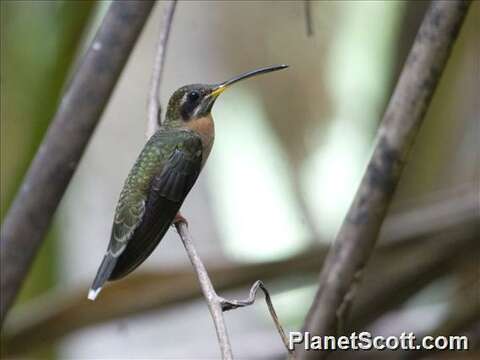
(92, 294)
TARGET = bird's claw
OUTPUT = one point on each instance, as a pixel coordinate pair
(179, 219)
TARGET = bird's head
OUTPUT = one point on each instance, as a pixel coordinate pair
(196, 101)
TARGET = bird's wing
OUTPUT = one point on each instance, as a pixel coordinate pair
(179, 173)
(163, 175)
(128, 217)
(166, 193)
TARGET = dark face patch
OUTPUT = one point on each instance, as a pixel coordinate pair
(188, 102)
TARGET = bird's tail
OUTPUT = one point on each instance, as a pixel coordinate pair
(103, 273)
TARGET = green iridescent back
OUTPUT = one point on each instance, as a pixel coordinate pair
(157, 184)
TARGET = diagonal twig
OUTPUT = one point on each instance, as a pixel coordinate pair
(213, 300)
(403, 117)
(52, 168)
(217, 304)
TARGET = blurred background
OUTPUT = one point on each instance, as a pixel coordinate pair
(289, 153)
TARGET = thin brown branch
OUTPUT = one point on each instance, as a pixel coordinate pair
(213, 300)
(216, 304)
(307, 4)
(154, 109)
(408, 105)
(154, 120)
(52, 168)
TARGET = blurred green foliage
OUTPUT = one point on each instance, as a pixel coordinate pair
(39, 41)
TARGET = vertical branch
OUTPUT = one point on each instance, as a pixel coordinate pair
(57, 158)
(154, 110)
(154, 120)
(215, 303)
(401, 122)
(307, 4)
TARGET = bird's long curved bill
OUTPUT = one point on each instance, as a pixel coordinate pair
(221, 87)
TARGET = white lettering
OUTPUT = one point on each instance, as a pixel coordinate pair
(295, 337)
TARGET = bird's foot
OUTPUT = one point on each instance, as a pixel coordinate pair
(179, 219)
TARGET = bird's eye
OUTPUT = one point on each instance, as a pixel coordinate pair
(193, 96)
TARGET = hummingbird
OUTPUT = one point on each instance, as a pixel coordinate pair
(162, 176)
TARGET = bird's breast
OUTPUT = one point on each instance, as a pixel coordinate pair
(205, 128)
